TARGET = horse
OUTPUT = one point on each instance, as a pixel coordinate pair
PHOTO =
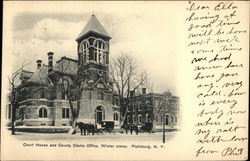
(89, 128)
(125, 127)
(130, 128)
(135, 128)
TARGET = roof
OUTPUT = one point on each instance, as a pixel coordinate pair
(26, 74)
(40, 76)
(95, 26)
(66, 65)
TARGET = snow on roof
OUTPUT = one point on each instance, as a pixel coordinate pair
(26, 74)
(40, 76)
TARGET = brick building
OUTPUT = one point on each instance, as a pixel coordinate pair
(154, 108)
(41, 100)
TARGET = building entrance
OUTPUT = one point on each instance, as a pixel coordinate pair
(99, 114)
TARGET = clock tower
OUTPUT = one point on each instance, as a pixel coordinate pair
(93, 53)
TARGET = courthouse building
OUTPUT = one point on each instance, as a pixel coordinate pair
(40, 97)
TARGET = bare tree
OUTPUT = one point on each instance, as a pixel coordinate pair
(126, 77)
(13, 99)
(72, 86)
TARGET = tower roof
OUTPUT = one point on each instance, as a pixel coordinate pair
(95, 26)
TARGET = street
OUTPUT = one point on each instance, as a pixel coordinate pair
(113, 137)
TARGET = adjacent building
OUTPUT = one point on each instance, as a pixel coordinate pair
(155, 108)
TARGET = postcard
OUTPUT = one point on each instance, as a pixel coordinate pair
(125, 80)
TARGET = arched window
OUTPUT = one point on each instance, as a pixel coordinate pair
(139, 119)
(167, 120)
(175, 119)
(156, 118)
(100, 52)
(43, 112)
(139, 106)
(115, 116)
(172, 118)
(99, 114)
(85, 49)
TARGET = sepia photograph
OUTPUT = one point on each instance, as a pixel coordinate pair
(124, 80)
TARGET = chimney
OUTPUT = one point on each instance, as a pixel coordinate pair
(143, 91)
(50, 61)
(38, 63)
(131, 93)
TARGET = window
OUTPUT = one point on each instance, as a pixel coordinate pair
(172, 118)
(65, 113)
(146, 119)
(100, 96)
(139, 106)
(100, 54)
(134, 120)
(157, 104)
(85, 49)
(175, 119)
(115, 116)
(161, 118)
(139, 119)
(115, 101)
(65, 84)
(99, 114)
(133, 107)
(156, 118)
(167, 120)
(43, 112)
(43, 93)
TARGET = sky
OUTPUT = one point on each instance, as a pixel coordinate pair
(145, 31)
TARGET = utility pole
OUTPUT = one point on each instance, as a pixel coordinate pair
(164, 119)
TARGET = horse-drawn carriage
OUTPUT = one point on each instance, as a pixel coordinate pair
(88, 128)
(146, 127)
(107, 126)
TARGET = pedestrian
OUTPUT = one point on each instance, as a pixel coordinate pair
(131, 129)
(126, 129)
(136, 130)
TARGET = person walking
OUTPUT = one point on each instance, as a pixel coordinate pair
(131, 129)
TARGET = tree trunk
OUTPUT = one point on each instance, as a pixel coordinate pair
(13, 111)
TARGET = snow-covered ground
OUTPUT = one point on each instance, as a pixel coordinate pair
(113, 137)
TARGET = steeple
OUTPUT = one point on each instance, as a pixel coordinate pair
(93, 26)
